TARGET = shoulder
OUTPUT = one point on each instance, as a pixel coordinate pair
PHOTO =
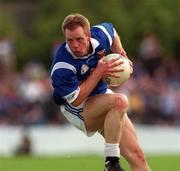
(105, 25)
(60, 52)
(104, 33)
(103, 28)
(62, 61)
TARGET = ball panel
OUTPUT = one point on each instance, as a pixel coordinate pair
(123, 76)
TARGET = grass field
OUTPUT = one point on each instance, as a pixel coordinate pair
(81, 163)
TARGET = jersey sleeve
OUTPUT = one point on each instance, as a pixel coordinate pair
(65, 82)
(106, 32)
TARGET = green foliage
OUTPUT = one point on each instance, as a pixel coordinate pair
(131, 19)
(8, 26)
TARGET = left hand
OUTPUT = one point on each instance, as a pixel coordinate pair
(131, 65)
(123, 53)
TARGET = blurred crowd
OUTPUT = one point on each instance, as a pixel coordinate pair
(153, 90)
(26, 95)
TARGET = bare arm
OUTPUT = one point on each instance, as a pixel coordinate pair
(87, 87)
(103, 68)
(117, 46)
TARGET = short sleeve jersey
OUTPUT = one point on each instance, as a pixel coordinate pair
(68, 71)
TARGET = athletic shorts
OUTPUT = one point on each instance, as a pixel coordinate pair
(73, 115)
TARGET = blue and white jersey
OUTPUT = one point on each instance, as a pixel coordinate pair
(68, 71)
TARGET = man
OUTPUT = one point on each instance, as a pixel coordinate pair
(77, 76)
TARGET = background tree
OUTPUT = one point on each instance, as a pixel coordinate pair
(131, 18)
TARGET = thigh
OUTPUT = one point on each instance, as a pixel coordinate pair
(95, 110)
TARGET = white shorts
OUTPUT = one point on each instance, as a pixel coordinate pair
(73, 115)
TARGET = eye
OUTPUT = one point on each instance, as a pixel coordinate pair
(79, 39)
(69, 40)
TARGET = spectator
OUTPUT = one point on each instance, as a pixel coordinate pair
(150, 52)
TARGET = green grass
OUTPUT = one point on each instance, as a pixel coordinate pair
(81, 163)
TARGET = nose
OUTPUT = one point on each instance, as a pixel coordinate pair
(75, 44)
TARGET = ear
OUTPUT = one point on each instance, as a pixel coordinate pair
(89, 34)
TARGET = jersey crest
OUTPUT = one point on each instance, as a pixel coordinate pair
(84, 69)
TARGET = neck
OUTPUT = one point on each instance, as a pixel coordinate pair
(90, 49)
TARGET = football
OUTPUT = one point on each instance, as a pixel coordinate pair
(124, 76)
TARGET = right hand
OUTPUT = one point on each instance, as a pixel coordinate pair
(108, 68)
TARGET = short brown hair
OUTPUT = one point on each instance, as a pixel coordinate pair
(73, 20)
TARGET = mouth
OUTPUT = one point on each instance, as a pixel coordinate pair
(77, 53)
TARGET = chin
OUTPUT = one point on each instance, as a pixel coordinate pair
(79, 54)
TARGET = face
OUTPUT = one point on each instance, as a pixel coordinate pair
(78, 41)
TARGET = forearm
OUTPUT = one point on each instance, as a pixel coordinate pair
(117, 46)
(87, 87)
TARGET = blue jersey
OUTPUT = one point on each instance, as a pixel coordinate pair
(68, 71)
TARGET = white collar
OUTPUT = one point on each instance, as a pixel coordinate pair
(94, 44)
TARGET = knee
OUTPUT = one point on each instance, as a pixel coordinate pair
(121, 102)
